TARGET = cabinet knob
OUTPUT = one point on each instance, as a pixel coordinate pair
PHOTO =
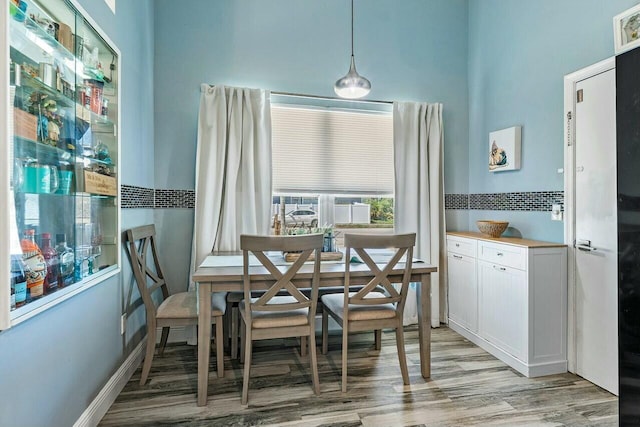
(499, 268)
(457, 245)
(500, 254)
(457, 257)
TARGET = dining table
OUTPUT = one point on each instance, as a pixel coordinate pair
(223, 272)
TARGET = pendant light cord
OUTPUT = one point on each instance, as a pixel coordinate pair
(351, 27)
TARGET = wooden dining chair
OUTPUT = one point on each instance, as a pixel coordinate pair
(368, 309)
(179, 309)
(278, 316)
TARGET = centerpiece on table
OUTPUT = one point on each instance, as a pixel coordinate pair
(330, 250)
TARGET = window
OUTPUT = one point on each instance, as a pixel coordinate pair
(331, 151)
(333, 166)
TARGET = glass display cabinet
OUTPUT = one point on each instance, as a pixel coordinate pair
(59, 181)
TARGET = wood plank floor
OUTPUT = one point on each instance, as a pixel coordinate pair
(468, 387)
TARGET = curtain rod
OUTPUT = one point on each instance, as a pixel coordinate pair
(333, 98)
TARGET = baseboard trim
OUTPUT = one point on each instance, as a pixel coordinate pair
(105, 398)
(528, 370)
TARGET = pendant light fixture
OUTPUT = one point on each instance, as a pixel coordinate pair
(353, 85)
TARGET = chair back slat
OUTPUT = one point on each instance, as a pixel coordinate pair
(380, 241)
(155, 286)
(278, 243)
(380, 278)
(283, 279)
(141, 232)
(403, 245)
(146, 266)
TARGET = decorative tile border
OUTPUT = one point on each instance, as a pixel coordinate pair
(517, 201)
(136, 197)
(140, 197)
(185, 199)
(456, 201)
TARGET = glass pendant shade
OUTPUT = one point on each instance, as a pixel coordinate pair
(353, 85)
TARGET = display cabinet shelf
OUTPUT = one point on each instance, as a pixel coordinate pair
(31, 84)
(28, 36)
(48, 153)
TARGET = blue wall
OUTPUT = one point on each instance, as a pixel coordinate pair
(53, 365)
(493, 64)
(519, 52)
(404, 48)
(412, 50)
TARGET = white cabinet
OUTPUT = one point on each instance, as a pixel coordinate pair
(509, 296)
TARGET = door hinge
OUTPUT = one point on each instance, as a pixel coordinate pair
(569, 128)
(579, 96)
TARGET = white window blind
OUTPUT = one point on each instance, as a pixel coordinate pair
(331, 152)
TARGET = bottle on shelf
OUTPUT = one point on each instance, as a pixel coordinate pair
(35, 265)
(51, 258)
(86, 100)
(77, 269)
(18, 283)
(91, 265)
(105, 108)
(65, 261)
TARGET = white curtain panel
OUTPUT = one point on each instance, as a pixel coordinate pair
(233, 169)
(419, 193)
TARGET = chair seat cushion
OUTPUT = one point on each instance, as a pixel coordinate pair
(183, 305)
(335, 303)
(277, 319)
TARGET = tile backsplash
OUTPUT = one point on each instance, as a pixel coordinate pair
(136, 197)
(141, 197)
(516, 201)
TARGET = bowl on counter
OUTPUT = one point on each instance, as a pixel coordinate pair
(492, 228)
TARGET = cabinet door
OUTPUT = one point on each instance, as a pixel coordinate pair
(463, 291)
(503, 307)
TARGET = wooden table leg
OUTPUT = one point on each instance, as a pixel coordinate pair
(204, 340)
(424, 324)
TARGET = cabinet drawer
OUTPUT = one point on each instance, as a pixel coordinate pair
(507, 255)
(462, 246)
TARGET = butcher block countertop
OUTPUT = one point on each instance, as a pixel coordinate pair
(506, 240)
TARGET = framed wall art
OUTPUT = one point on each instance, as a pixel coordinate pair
(504, 149)
(626, 29)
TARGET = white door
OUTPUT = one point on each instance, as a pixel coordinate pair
(596, 254)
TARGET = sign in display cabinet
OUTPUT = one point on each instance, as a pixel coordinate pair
(60, 143)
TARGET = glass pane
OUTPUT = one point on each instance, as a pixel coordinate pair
(354, 214)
